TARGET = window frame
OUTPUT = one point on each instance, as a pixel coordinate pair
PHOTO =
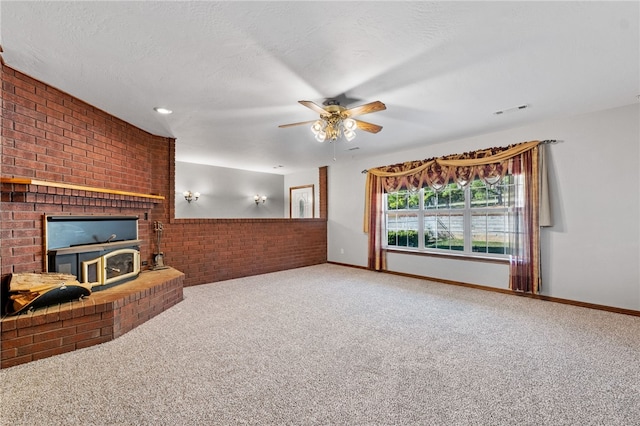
(467, 213)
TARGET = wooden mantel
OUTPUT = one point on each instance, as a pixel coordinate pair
(44, 183)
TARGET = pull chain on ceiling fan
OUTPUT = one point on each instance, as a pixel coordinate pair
(336, 120)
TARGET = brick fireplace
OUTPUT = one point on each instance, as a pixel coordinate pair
(104, 315)
(63, 156)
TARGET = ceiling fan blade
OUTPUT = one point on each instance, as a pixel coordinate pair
(317, 108)
(368, 127)
(365, 109)
(296, 124)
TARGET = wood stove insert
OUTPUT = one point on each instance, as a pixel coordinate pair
(100, 250)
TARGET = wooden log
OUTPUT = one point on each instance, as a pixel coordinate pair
(35, 282)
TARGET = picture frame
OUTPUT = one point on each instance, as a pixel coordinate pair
(301, 202)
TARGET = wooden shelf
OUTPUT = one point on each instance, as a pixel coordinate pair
(27, 181)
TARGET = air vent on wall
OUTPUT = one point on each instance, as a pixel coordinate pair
(514, 109)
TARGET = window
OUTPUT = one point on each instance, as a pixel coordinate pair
(475, 220)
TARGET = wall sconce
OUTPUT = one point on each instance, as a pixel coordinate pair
(258, 198)
(191, 196)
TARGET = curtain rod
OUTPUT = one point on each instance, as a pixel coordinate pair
(544, 142)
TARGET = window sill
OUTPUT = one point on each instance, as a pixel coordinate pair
(457, 256)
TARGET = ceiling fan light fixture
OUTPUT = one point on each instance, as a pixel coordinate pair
(317, 127)
(349, 134)
(349, 124)
(335, 120)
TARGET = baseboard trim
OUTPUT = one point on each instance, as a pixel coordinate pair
(506, 291)
(349, 265)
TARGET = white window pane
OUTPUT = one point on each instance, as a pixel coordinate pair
(444, 231)
(489, 233)
(451, 197)
(403, 200)
(402, 230)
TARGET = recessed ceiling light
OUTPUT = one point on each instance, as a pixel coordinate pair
(161, 110)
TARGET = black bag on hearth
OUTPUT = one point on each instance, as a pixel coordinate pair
(33, 291)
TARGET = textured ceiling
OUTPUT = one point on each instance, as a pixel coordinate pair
(233, 71)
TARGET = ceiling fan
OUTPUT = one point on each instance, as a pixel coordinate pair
(336, 120)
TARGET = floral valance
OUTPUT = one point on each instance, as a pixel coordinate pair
(487, 164)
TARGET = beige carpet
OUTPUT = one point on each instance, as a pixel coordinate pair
(330, 345)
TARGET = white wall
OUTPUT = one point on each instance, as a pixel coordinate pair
(310, 177)
(591, 254)
(228, 193)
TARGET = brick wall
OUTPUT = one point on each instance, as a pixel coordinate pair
(219, 249)
(52, 136)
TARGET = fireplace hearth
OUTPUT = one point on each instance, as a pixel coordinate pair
(99, 318)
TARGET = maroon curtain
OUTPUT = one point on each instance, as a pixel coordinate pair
(377, 259)
(524, 262)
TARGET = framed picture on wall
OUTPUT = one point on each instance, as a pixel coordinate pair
(301, 203)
